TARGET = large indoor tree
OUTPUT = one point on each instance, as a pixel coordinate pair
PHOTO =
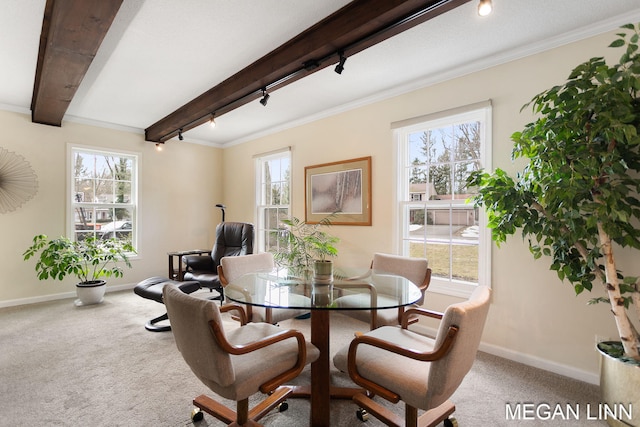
(577, 199)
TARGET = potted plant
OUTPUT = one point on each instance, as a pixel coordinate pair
(305, 249)
(89, 260)
(578, 197)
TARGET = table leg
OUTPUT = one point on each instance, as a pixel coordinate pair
(171, 269)
(320, 370)
(320, 392)
(180, 270)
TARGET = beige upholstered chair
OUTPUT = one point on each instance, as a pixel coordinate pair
(233, 267)
(237, 363)
(414, 269)
(398, 364)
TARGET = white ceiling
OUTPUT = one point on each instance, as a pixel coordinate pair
(160, 54)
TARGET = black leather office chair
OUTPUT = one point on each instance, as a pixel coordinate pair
(232, 239)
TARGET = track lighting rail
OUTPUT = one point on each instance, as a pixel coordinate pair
(353, 28)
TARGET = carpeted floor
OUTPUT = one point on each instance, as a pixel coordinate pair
(62, 365)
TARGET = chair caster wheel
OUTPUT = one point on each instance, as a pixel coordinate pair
(362, 415)
(450, 422)
(197, 415)
(283, 407)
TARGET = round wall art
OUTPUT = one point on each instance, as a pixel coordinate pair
(18, 181)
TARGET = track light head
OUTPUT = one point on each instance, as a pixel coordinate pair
(212, 122)
(484, 7)
(159, 146)
(180, 137)
(340, 67)
(265, 97)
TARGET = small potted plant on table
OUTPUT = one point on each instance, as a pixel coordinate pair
(305, 249)
(89, 260)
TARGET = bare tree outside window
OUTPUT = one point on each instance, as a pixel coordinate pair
(103, 194)
(439, 224)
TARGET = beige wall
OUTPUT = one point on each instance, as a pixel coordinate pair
(534, 318)
(179, 187)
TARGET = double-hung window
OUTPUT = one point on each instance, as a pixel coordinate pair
(103, 194)
(273, 186)
(436, 219)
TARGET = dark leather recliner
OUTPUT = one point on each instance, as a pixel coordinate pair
(232, 239)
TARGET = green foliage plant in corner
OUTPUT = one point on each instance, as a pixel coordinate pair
(301, 244)
(89, 259)
(577, 199)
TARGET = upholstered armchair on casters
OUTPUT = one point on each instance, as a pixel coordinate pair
(238, 363)
(414, 269)
(398, 364)
(231, 268)
(232, 239)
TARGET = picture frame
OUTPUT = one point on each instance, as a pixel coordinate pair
(340, 188)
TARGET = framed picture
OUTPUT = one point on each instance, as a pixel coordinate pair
(341, 188)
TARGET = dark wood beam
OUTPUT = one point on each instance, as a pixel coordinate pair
(72, 31)
(353, 28)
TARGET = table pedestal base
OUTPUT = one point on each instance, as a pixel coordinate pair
(304, 392)
(320, 392)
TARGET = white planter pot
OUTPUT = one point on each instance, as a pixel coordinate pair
(620, 392)
(90, 293)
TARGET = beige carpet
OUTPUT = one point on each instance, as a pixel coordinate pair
(62, 365)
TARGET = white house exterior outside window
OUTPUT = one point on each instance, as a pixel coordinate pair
(435, 219)
(103, 194)
(273, 184)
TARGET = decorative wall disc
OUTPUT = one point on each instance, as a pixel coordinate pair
(18, 181)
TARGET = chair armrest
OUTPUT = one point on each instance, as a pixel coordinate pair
(373, 298)
(405, 321)
(198, 262)
(369, 286)
(242, 314)
(262, 343)
(247, 297)
(427, 356)
(221, 277)
(360, 276)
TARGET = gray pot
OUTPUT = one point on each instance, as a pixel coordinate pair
(322, 271)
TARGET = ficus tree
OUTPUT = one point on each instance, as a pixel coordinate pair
(577, 199)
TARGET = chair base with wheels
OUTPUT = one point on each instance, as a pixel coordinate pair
(276, 400)
(432, 418)
(151, 288)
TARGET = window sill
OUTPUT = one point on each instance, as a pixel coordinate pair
(454, 289)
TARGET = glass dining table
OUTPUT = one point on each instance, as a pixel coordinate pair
(277, 290)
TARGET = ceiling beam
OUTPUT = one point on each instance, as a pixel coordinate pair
(72, 31)
(353, 28)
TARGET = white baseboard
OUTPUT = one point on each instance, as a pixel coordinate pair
(54, 297)
(527, 359)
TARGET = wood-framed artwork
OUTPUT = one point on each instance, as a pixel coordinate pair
(342, 188)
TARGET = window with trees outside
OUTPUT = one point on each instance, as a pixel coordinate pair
(273, 184)
(103, 194)
(436, 219)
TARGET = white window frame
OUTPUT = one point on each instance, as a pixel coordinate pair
(133, 205)
(481, 111)
(261, 200)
